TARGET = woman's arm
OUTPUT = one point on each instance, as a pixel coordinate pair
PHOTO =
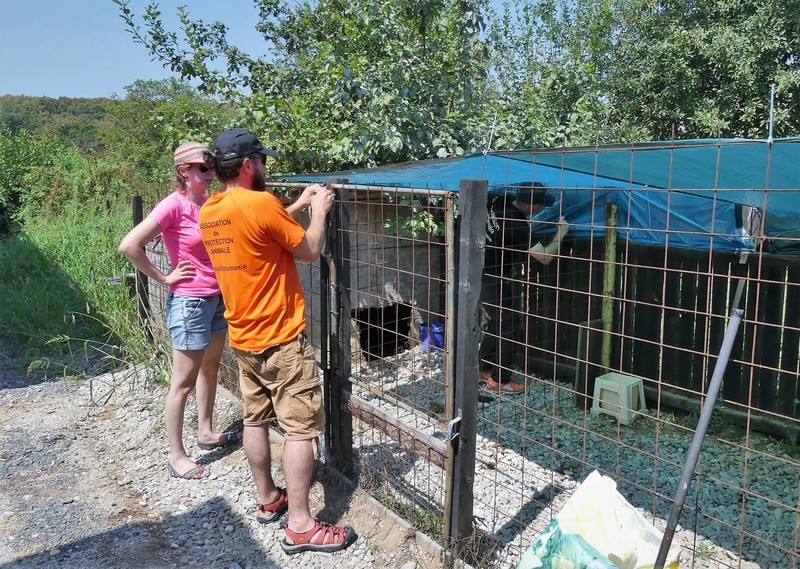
(132, 246)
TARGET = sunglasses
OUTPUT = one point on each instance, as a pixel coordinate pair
(203, 168)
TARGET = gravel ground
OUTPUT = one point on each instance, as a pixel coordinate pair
(533, 450)
(83, 484)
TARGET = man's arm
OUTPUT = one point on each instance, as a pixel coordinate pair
(304, 200)
(310, 247)
(546, 253)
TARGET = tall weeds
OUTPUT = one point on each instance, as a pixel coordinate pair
(58, 277)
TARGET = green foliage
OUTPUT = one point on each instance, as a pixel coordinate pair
(153, 119)
(705, 68)
(20, 153)
(378, 81)
(73, 121)
(39, 173)
(349, 84)
(418, 222)
(54, 276)
(585, 71)
(39, 177)
(63, 299)
(545, 71)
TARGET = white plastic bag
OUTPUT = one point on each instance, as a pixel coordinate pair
(599, 515)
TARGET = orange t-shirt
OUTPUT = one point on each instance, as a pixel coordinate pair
(249, 238)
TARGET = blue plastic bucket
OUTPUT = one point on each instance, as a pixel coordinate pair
(431, 336)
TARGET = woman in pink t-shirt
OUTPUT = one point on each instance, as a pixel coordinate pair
(194, 304)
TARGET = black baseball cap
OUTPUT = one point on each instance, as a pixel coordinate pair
(238, 143)
(533, 193)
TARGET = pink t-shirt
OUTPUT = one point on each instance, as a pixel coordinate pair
(177, 217)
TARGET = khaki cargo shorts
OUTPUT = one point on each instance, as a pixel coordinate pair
(282, 383)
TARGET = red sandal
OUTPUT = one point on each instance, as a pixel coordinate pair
(268, 513)
(321, 537)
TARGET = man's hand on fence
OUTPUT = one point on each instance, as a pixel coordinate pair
(322, 200)
(308, 192)
(562, 229)
(546, 253)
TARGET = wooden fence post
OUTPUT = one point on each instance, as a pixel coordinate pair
(462, 430)
(336, 310)
(609, 284)
(142, 290)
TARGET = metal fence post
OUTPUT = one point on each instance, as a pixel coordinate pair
(336, 310)
(472, 243)
(142, 289)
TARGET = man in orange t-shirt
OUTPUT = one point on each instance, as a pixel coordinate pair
(252, 241)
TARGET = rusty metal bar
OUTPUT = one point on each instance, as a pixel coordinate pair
(407, 438)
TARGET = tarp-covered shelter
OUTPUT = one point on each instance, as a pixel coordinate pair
(701, 183)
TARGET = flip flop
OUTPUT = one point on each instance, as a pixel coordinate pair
(228, 439)
(195, 473)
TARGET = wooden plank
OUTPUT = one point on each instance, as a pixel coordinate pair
(679, 323)
(647, 312)
(701, 289)
(768, 337)
(721, 284)
(790, 349)
(407, 438)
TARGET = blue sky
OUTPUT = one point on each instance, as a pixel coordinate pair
(74, 48)
(80, 48)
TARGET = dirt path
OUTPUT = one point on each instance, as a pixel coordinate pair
(83, 484)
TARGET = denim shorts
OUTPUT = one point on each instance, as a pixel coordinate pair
(193, 320)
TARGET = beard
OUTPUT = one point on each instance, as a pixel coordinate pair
(259, 182)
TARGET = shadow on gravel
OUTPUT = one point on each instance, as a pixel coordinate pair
(15, 379)
(527, 514)
(177, 541)
(337, 491)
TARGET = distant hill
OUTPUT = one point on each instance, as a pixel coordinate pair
(77, 121)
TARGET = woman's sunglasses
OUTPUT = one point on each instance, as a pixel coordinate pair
(203, 168)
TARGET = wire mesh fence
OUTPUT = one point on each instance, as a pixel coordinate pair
(610, 346)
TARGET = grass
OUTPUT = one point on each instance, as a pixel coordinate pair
(420, 519)
(62, 311)
(477, 550)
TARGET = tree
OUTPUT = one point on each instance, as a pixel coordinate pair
(375, 81)
(19, 153)
(353, 83)
(547, 59)
(72, 121)
(704, 69)
(151, 121)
